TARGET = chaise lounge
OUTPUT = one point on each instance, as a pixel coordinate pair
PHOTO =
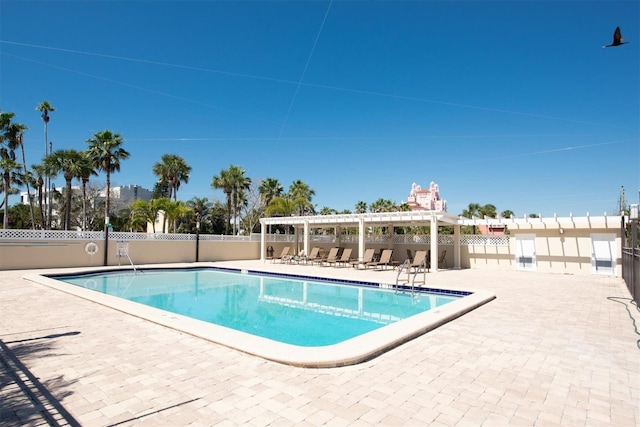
(385, 260)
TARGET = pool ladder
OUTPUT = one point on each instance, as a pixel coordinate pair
(406, 265)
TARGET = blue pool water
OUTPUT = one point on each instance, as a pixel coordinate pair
(306, 313)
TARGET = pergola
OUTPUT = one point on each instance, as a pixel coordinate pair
(432, 219)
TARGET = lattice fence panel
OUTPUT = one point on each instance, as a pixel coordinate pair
(482, 240)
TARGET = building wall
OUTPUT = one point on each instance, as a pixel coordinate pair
(569, 253)
(21, 254)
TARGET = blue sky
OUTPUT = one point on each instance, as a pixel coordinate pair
(513, 103)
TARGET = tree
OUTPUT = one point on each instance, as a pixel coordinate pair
(172, 170)
(283, 206)
(472, 211)
(20, 217)
(10, 170)
(143, 212)
(299, 190)
(507, 214)
(14, 137)
(270, 188)
(327, 211)
(361, 207)
(106, 153)
(70, 163)
(242, 183)
(231, 181)
(224, 182)
(172, 210)
(85, 171)
(45, 108)
(39, 172)
(488, 211)
(201, 208)
(252, 209)
(382, 205)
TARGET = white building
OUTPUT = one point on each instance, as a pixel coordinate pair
(129, 193)
(125, 193)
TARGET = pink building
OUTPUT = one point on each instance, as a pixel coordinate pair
(429, 200)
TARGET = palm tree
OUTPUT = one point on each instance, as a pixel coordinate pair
(106, 154)
(201, 208)
(174, 210)
(224, 182)
(14, 140)
(241, 184)
(507, 214)
(45, 108)
(361, 207)
(85, 171)
(472, 211)
(488, 211)
(71, 164)
(231, 180)
(172, 170)
(301, 190)
(146, 212)
(326, 210)
(39, 172)
(283, 206)
(10, 170)
(382, 205)
(270, 188)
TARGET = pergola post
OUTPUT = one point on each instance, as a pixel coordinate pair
(434, 244)
(456, 247)
(263, 241)
(361, 239)
(306, 238)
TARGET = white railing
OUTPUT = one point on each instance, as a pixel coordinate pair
(416, 239)
(484, 240)
(51, 235)
(117, 235)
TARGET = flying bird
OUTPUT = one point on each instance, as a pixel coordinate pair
(617, 39)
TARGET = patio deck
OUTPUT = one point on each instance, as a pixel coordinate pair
(549, 350)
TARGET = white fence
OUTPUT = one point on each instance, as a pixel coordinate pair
(117, 235)
(416, 239)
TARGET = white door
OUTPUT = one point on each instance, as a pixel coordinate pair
(526, 252)
(603, 253)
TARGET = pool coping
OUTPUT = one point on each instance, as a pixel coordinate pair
(350, 352)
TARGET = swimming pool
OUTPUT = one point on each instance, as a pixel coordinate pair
(306, 313)
(302, 321)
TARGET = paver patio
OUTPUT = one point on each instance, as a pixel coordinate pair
(549, 350)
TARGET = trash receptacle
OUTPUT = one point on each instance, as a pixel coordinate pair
(270, 252)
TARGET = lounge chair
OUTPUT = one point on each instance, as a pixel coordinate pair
(284, 256)
(368, 257)
(419, 260)
(345, 258)
(385, 260)
(409, 254)
(442, 261)
(331, 256)
(314, 255)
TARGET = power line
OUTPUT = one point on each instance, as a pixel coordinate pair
(304, 71)
(300, 82)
